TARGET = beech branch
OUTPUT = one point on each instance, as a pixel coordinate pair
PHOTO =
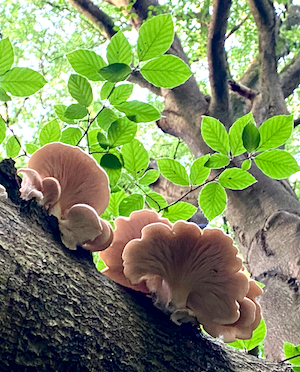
(217, 64)
(270, 88)
(96, 16)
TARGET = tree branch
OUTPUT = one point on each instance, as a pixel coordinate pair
(96, 16)
(271, 93)
(219, 107)
(290, 76)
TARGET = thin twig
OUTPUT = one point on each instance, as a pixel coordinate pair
(287, 359)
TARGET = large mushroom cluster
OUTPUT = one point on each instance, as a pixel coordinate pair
(193, 275)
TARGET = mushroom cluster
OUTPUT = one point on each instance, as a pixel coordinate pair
(74, 188)
(191, 274)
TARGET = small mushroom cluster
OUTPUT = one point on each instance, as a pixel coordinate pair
(191, 274)
(74, 188)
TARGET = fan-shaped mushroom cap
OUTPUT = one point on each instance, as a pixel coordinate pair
(81, 179)
(249, 320)
(191, 272)
(127, 228)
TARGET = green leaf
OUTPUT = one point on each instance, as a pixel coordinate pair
(212, 200)
(60, 112)
(50, 132)
(275, 131)
(139, 112)
(199, 173)
(86, 63)
(110, 161)
(114, 202)
(173, 171)
(149, 177)
(96, 258)
(215, 135)
(93, 136)
(115, 72)
(121, 131)
(111, 165)
(258, 335)
(119, 49)
(71, 136)
(106, 117)
(80, 89)
(106, 89)
(31, 148)
(22, 81)
(120, 94)
(246, 164)
(277, 164)
(12, 147)
(2, 130)
(6, 55)
(236, 179)
(166, 71)
(3, 96)
(217, 161)
(133, 202)
(179, 211)
(235, 134)
(155, 200)
(290, 350)
(76, 111)
(250, 137)
(135, 157)
(237, 344)
(102, 140)
(296, 369)
(155, 37)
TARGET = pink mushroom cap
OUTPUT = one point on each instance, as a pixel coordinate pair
(127, 229)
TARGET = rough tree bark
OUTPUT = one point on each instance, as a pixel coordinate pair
(58, 313)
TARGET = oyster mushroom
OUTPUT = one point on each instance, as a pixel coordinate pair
(127, 229)
(74, 188)
(193, 275)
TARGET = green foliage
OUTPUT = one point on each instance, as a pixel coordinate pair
(119, 50)
(277, 164)
(135, 157)
(173, 171)
(80, 89)
(179, 211)
(258, 335)
(86, 63)
(155, 37)
(236, 133)
(21, 81)
(236, 179)
(149, 177)
(139, 111)
(166, 71)
(199, 172)
(115, 72)
(50, 133)
(250, 137)
(212, 200)
(292, 352)
(215, 135)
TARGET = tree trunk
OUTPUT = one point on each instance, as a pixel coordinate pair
(58, 313)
